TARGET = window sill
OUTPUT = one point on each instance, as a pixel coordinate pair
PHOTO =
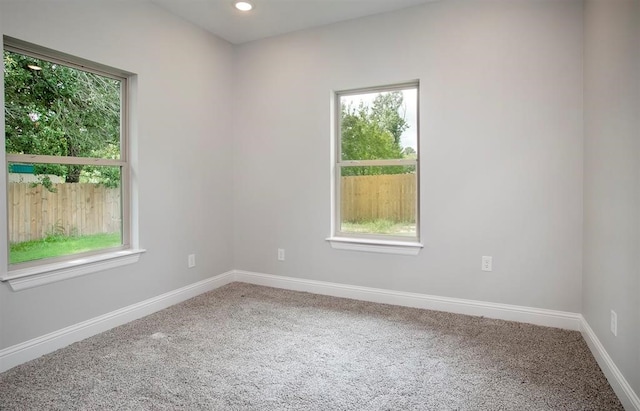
(49, 273)
(375, 246)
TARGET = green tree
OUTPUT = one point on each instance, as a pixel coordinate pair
(52, 109)
(386, 111)
(410, 152)
(373, 133)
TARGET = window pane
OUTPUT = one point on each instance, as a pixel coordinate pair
(52, 109)
(379, 125)
(50, 218)
(378, 200)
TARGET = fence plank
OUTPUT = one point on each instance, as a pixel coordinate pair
(379, 197)
(76, 208)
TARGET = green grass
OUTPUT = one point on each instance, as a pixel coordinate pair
(59, 245)
(379, 227)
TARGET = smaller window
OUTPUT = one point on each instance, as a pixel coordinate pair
(376, 164)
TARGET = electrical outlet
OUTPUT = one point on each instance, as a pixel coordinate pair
(280, 254)
(487, 263)
(614, 323)
(191, 260)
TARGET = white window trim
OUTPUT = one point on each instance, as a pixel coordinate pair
(32, 274)
(375, 246)
(386, 244)
(49, 273)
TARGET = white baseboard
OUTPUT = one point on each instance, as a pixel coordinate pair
(538, 316)
(620, 385)
(29, 350)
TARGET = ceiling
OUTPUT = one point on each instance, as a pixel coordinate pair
(273, 17)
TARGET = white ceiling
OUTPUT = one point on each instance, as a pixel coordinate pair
(273, 17)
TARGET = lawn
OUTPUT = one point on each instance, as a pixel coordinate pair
(380, 227)
(59, 245)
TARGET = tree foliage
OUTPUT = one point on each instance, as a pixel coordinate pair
(52, 109)
(386, 111)
(373, 133)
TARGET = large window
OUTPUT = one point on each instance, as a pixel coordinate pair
(66, 156)
(376, 187)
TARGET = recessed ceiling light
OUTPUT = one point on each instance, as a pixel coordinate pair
(243, 5)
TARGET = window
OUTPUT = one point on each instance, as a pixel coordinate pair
(376, 169)
(66, 158)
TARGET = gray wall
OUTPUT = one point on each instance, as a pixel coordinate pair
(502, 154)
(184, 161)
(612, 179)
(501, 149)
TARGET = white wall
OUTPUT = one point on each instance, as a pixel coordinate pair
(501, 149)
(612, 179)
(183, 163)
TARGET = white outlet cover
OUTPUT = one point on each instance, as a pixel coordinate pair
(487, 263)
(614, 323)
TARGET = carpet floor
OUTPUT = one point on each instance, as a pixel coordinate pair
(246, 347)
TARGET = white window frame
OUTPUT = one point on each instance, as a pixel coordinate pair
(38, 272)
(378, 243)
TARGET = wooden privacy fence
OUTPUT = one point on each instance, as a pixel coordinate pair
(387, 197)
(74, 208)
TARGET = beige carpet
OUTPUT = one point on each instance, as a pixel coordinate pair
(244, 347)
